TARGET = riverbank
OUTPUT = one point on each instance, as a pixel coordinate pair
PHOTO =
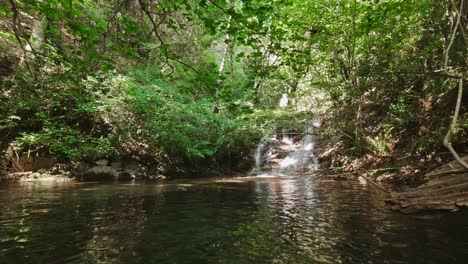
(399, 168)
(41, 176)
(93, 174)
(409, 184)
(26, 170)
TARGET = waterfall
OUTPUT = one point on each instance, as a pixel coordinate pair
(286, 154)
(258, 154)
(302, 157)
(287, 138)
(283, 102)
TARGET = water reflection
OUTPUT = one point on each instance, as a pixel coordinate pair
(253, 220)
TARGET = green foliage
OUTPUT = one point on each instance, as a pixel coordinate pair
(63, 142)
(281, 118)
(381, 145)
(141, 78)
(145, 110)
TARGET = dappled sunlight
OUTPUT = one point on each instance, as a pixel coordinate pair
(191, 131)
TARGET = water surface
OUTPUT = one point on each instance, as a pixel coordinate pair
(254, 220)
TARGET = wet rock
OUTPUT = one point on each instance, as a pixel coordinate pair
(157, 178)
(45, 176)
(161, 177)
(282, 154)
(137, 170)
(131, 165)
(37, 175)
(116, 165)
(100, 173)
(102, 162)
(14, 176)
(126, 176)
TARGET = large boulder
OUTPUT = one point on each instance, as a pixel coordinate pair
(100, 173)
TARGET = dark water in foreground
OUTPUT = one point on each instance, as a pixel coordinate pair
(282, 220)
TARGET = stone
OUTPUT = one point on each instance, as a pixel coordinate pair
(160, 177)
(102, 162)
(116, 165)
(43, 176)
(35, 175)
(131, 165)
(14, 176)
(100, 173)
(126, 176)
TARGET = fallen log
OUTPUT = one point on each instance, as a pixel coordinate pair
(446, 189)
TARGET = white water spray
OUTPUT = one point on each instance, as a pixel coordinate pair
(258, 154)
(283, 102)
(279, 157)
(302, 157)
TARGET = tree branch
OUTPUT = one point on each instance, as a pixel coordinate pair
(186, 65)
(16, 29)
(453, 125)
(155, 30)
(452, 129)
(455, 29)
(218, 6)
(121, 4)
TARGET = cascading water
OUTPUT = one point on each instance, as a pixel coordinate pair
(285, 154)
(302, 157)
(258, 154)
(261, 151)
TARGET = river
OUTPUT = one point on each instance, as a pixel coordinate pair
(295, 219)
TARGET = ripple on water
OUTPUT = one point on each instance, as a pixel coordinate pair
(253, 220)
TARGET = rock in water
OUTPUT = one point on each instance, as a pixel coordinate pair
(100, 173)
(126, 176)
(102, 162)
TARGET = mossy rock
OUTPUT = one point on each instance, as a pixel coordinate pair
(100, 173)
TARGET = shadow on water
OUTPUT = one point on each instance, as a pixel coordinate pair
(243, 220)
